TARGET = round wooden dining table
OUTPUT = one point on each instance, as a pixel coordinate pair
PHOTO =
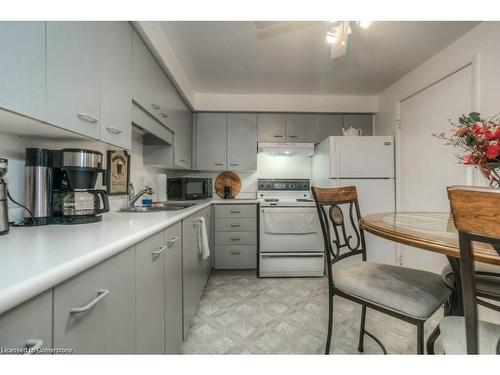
(432, 231)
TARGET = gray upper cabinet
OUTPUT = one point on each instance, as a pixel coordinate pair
(359, 121)
(22, 68)
(299, 128)
(211, 138)
(272, 127)
(116, 84)
(326, 125)
(242, 141)
(180, 121)
(28, 325)
(150, 298)
(73, 76)
(173, 289)
(94, 312)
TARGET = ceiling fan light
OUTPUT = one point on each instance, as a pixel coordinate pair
(365, 24)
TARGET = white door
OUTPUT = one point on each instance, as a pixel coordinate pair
(425, 165)
(363, 157)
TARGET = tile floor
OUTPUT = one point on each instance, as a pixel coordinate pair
(242, 314)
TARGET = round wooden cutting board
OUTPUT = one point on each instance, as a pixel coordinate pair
(220, 181)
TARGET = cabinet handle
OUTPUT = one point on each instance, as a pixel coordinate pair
(164, 115)
(113, 130)
(159, 251)
(33, 345)
(100, 295)
(172, 240)
(219, 164)
(87, 118)
(235, 252)
(235, 238)
(278, 136)
(233, 165)
(235, 225)
(293, 136)
(235, 211)
(155, 106)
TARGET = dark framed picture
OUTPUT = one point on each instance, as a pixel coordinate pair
(118, 165)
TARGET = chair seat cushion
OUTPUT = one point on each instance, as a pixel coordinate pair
(484, 284)
(414, 293)
(453, 334)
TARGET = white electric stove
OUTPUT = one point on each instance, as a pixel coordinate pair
(290, 239)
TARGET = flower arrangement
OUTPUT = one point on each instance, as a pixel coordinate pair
(479, 143)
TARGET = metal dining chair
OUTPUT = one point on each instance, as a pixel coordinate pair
(407, 294)
(476, 212)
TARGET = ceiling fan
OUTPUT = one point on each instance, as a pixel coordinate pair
(337, 34)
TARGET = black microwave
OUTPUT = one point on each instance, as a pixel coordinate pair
(185, 188)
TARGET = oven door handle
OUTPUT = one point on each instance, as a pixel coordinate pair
(293, 256)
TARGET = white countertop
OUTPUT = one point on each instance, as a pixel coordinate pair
(35, 259)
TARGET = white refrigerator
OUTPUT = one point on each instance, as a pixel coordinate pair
(367, 163)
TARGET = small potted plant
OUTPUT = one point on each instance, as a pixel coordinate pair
(478, 141)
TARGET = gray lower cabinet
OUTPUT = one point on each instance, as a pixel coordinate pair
(299, 128)
(73, 76)
(211, 141)
(272, 127)
(359, 121)
(326, 124)
(94, 312)
(173, 289)
(22, 68)
(242, 141)
(150, 295)
(28, 325)
(195, 269)
(235, 236)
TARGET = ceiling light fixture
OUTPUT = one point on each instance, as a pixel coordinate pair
(332, 35)
(365, 24)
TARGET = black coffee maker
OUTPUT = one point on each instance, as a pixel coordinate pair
(64, 181)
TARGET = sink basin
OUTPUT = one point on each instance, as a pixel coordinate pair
(160, 206)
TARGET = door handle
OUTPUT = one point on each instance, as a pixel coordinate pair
(235, 211)
(277, 136)
(293, 136)
(164, 115)
(233, 164)
(172, 240)
(219, 164)
(87, 118)
(155, 106)
(235, 252)
(235, 225)
(113, 130)
(100, 295)
(159, 251)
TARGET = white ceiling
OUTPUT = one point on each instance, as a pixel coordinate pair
(227, 57)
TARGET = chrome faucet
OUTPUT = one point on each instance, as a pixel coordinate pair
(133, 197)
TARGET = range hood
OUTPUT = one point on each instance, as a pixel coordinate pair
(291, 149)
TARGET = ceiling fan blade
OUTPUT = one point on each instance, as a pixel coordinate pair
(280, 28)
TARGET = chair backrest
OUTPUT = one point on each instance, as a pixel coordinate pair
(332, 204)
(476, 212)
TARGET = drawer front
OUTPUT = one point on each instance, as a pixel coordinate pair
(235, 238)
(235, 210)
(234, 257)
(236, 225)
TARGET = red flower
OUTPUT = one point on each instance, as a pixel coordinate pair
(492, 151)
(496, 135)
(468, 159)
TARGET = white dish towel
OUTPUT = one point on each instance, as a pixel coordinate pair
(203, 247)
(300, 220)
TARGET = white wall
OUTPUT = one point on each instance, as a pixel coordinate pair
(481, 43)
(12, 148)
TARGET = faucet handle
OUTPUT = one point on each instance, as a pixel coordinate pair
(149, 190)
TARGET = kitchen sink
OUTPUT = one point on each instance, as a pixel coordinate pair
(159, 206)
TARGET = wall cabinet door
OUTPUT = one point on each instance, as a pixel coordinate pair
(195, 269)
(28, 325)
(22, 68)
(300, 128)
(173, 289)
(242, 141)
(180, 121)
(94, 312)
(211, 138)
(73, 76)
(116, 85)
(272, 127)
(362, 121)
(326, 125)
(150, 294)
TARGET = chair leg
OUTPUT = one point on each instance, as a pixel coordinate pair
(432, 340)
(330, 323)
(420, 337)
(362, 329)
